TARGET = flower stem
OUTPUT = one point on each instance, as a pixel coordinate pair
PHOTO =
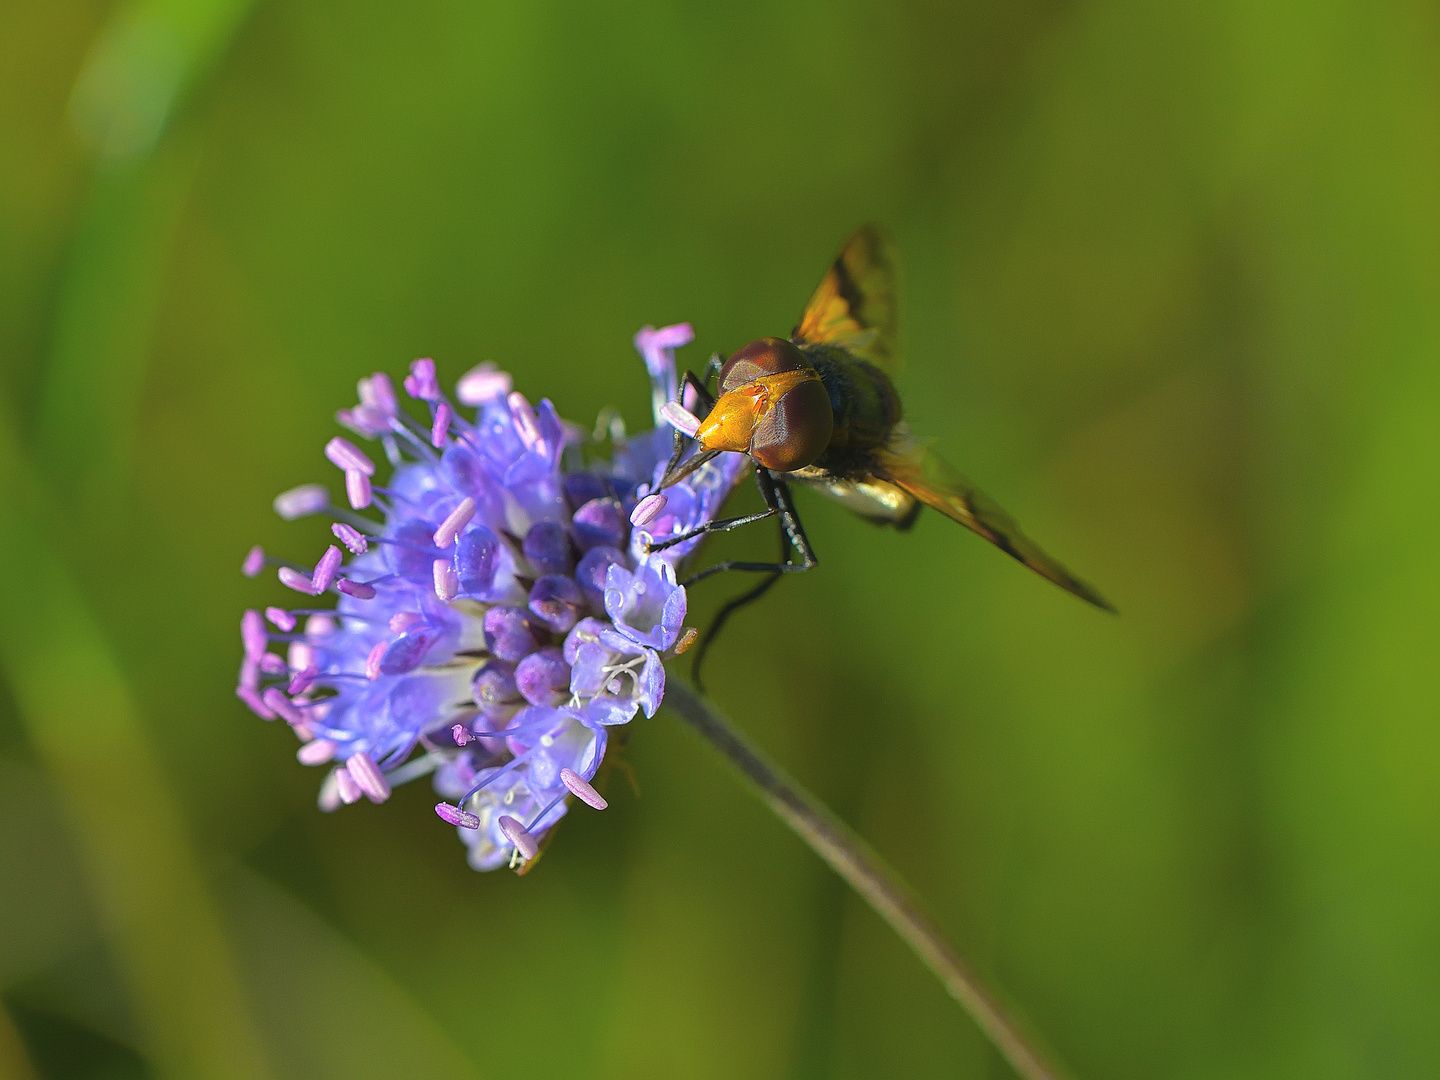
(869, 875)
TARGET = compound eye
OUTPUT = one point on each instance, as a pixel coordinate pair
(797, 431)
(767, 356)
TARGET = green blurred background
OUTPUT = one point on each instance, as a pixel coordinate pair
(1173, 297)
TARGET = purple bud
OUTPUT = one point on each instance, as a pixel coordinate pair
(543, 677)
(282, 706)
(358, 589)
(254, 561)
(252, 699)
(420, 383)
(482, 383)
(345, 786)
(647, 509)
(441, 427)
(477, 560)
(252, 635)
(516, 834)
(316, 753)
(591, 571)
(581, 487)
(600, 523)
(302, 501)
(293, 579)
(493, 686)
(368, 777)
(344, 454)
(407, 651)
(455, 816)
(447, 584)
(680, 418)
(547, 547)
(324, 575)
(557, 602)
(581, 789)
(508, 633)
(281, 618)
(350, 537)
(357, 488)
(454, 521)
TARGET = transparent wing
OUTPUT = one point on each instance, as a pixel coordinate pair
(855, 306)
(922, 472)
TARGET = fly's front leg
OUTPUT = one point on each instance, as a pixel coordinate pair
(726, 524)
(693, 388)
(723, 615)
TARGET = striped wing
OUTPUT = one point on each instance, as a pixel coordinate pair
(917, 469)
(855, 305)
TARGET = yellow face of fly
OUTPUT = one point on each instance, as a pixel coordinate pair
(732, 423)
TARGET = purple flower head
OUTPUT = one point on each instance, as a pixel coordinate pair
(495, 612)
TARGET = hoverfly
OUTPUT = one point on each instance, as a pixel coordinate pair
(820, 408)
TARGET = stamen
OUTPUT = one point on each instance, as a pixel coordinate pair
(281, 618)
(252, 635)
(344, 454)
(455, 816)
(516, 834)
(420, 383)
(293, 579)
(647, 509)
(372, 662)
(254, 561)
(454, 521)
(252, 699)
(441, 427)
(461, 734)
(315, 753)
(357, 489)
(482, 383)
(581, 789)
(350, 537)
(302, 501)
(526, 425)
(271, 664)
(325, 569)
(687, 638)
(358, 589)
(680, 418)
(345, 785)
(283, 706)
(368, 775)
(403, 620)
(379, 393)
(303, 680)
(447, 582)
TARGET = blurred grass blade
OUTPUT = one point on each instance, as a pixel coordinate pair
(139, 68)
(327, 1009)
(82, 721)
(14, 1061)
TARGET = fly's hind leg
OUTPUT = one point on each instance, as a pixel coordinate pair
(776, 494)
(732, 606)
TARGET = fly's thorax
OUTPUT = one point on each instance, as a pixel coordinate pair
(865, 406)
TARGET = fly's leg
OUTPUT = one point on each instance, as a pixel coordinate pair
(703, 399)
(723, 615)
(776, 494)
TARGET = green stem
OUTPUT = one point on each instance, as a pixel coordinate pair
(869, 875)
